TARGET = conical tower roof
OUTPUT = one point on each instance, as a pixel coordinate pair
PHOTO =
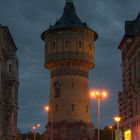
(69, 19)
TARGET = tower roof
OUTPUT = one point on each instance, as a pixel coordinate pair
(68, 20)
(69, 17)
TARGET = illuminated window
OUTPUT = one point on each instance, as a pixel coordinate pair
(127, 135)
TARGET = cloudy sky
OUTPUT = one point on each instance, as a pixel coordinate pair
(26, 20)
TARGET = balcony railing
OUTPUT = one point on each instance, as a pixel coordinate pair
(69, 56)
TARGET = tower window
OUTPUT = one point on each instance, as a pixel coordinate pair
(86, 108)
(90, 46)
(54, 45)
(73, 107)
(57, 88)
(85, 85)
(72, 85)
(56, 108)
(80, 44)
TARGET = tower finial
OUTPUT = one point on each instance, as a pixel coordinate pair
(69, 1)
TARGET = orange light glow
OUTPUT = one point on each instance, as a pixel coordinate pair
(34, 127)
(104, 93)
(47, 108)
(99, 94)
(38, 125)
(93, 94)
(117, 119)
(110, 127)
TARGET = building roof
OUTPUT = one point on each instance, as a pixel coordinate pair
(132, 27)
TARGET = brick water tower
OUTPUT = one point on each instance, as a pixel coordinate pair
(69, 55)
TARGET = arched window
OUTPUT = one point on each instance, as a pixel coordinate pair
(57, 88)
(9, 66)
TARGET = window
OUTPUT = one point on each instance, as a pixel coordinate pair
(86, 108)
(90, 46)
(54, 45)
(66, 43)
(57, 88)
(80, 44)
(10, 68)
(56, 108)
(72, 85)
(73, 107)
(85, 85)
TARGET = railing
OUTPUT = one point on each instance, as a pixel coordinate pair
(10, 76)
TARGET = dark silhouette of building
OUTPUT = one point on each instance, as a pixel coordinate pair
(129, 98)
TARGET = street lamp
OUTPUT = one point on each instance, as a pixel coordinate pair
(99, 95)
(117, 119)
(111, 128)
(48, 109)
(34, 129)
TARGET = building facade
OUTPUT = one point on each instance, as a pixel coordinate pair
(69, 55)
(129, 98)
(8, 85)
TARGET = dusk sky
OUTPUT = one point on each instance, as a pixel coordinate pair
(27, 19)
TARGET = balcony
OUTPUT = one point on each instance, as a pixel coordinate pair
(10, 76)
(53, 57)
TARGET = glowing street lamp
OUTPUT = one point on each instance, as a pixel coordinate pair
(117, 119)
(99, 95)
(48, 109)
(34, 129)
(111, 128)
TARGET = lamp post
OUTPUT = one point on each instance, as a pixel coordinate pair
(118, 132)
(111, 128)
(99, 96)
(34, 129)
(48, 109)
(117, 119)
